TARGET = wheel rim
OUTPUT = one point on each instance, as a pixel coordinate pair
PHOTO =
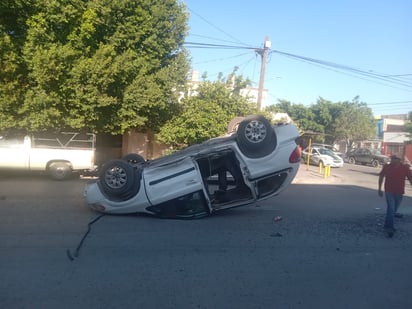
(255, 131)
(60, 171)
(115, 177)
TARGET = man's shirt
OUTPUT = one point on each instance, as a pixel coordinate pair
(395, 175)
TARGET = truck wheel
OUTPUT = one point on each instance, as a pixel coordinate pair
(351, 160)
(133, 158)
(375, 163)
(256, 137)
(118, 179)
(60, 170)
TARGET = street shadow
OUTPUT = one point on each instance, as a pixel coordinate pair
(38, 176)
(372, 172)
(344, 210)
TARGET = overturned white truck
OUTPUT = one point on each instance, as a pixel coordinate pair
(58, 154)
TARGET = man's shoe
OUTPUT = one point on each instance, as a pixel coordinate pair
(390, 231)
(398, 215)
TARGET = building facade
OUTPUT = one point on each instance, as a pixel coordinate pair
(391, 131)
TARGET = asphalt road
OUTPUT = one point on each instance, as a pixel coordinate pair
(327, 251)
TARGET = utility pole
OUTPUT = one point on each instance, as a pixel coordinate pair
(263, 52)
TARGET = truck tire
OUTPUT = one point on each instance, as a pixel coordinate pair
(119, 179)
(256, 137)
(351, 160)
(375, 163)
(59, 170)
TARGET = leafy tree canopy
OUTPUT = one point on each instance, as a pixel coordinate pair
(207, 113)
(302, 116)
(98, 65)
(351, 121)
(354, 123)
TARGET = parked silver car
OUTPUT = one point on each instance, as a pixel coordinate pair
(322, 156)
(255, 162)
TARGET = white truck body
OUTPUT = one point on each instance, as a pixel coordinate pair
(58, 154)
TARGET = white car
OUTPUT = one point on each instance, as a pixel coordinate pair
(322, 156)
(253, 163)
(330, 147)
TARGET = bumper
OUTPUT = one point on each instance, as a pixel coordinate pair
(97, 201)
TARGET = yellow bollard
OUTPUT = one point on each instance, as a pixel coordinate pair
(327, 171)
(320, 167)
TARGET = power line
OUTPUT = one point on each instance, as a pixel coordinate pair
(384, 79)
(392, 103)
(216, 46)
(222, 58)
(348, 68)
(211, 38)
(387, 80)
(217, 28)
(398, 75)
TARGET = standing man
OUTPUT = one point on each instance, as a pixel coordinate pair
(395, 174)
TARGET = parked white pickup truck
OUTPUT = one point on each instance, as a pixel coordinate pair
(57, 154)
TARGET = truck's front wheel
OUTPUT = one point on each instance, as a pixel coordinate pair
(120, 180)
(59, 170)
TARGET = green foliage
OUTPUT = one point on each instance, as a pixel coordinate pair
(352, 121)
(206, 114)
(99, 65)
(302, 116)
(201, 120)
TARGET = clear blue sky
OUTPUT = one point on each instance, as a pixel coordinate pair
(373, 36)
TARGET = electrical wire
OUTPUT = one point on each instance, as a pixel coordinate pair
(398, 81)
(221, 59)
(215, 46)
(211, 38)
(387, 80)
(217, 28)
(360, 72)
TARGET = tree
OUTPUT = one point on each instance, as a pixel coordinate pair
(302, 116)
(354, 123)
(326, 113)
(99, 65)
(207, 114)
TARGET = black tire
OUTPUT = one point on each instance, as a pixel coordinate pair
(119, 179)
(351, 160)
(234, 124)
(133, 158)
(375, 163)
(256, 137)
(60, 170)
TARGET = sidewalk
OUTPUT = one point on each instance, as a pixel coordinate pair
(311, 175)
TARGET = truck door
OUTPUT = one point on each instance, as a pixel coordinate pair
(172, 180)
(15, 153)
